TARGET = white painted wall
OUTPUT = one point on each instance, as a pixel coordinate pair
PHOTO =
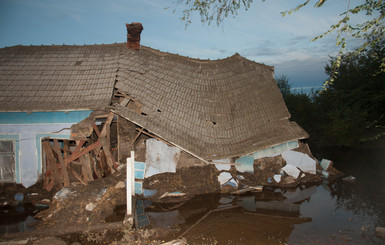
(29, 166)
(160, 157)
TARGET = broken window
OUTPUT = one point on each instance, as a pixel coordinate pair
(7, 161)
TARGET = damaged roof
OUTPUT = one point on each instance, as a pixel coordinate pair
(48, 78)
(212, 109)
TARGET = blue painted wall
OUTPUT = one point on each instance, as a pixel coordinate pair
(43, 117)
(28, 130)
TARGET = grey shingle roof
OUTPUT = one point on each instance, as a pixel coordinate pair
(212, 109)
(44, 78)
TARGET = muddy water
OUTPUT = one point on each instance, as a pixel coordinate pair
(337, 213)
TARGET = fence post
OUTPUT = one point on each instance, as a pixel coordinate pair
(129, 177)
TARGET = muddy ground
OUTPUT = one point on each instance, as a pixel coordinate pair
(85, 213)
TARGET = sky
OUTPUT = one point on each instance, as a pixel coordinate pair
(260, 34)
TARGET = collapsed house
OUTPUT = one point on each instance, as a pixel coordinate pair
(74, 113)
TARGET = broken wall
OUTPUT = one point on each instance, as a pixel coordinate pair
(27, 130)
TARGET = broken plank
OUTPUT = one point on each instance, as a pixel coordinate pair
(76, 155)
(86, 167)
(77, 176)
(79, 145)
(51, 164)
(137, 136)
(153, 136)
(96, 129)
(58, 152)
(110, 160)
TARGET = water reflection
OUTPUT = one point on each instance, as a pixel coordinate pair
(331, 213)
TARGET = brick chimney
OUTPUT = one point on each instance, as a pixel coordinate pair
(133, 35)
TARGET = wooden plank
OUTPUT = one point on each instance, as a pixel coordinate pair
(96, 129)
(110, 160)
(77, 176)
(87, 166)
(137, 135)
(76, 155)
(79, 145)
(56, 148)
(66, 151)
(153, 136)
(51, 164)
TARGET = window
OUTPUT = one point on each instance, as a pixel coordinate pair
(7, 161)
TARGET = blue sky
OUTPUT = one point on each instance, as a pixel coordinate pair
(260, 34)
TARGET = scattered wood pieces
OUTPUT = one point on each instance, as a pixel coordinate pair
(248, 189)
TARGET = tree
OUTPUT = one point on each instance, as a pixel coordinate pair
(371, 29)
(283, 85)
(352, 109)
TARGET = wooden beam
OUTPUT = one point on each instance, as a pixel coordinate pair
(110, 160)
(86, 167)
(51, 164)
(96, 129)
(76, 155)
(63, 167)
(137, 136)
(79, 145)
(153, 136)
(77, 176)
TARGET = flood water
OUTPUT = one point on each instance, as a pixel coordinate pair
(331, 213)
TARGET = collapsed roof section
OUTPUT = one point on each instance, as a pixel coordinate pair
(212, 109)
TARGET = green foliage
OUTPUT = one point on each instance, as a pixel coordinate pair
(352, 109)
(211, 10)
(283, 85)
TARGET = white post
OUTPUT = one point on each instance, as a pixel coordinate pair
(133, 173)
(129, 185)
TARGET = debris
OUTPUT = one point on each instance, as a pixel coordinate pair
(246, 164)
(291, 171)
(160, 157)
(349, 179)
(90, 206)
(120, 185)
(325, 164)
(222, 164)
(380, 232)
(325, 173)
(149, 193)
(181, 241)
(248, 189)
(45, 201)
(138, 187)
(34, 194)
(62, 194)
(41, 205)
(101, 194)
(300, 160)
(232, 183)
(173, 194)
(19, 197)
(139, 170)
(224, 177)
(277, 178)
(15, 242)
(289, 180)
(240, 177)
